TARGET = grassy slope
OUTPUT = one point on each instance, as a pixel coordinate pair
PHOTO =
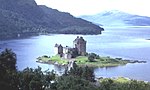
(53, 59)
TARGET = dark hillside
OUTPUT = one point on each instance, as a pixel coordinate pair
(26, 18)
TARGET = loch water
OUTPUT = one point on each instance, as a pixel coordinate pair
(127, 43)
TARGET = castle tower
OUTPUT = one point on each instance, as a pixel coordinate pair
(58, 49)
(80, 44)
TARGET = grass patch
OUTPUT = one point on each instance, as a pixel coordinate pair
(54, 59)
(122, 80)
(44, 58)
(115, 80)
(101, 62)
(81, 59)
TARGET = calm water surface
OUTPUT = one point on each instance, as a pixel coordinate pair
(128, 43)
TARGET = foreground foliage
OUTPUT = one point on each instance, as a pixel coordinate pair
(123, 84)
(77, 78)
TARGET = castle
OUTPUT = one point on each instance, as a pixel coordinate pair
(79, 49)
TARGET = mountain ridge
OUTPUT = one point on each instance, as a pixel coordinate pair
(117, 18)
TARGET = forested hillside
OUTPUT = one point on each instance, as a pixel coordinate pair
(26, 18)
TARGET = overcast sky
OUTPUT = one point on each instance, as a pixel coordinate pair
(88, 7)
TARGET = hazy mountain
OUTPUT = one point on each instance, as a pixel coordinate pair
(118, 18)
(25, 17)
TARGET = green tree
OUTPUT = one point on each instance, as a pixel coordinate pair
(106, 84)
(88, 74)
(74, 83)
(8, 72)
(91, 57)
(83, 72)
(35, 79)
(8, 60)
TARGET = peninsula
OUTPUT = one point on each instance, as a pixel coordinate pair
(78, 54)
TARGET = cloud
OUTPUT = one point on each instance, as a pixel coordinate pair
(82, 7)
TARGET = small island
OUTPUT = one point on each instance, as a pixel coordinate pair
(67, 55)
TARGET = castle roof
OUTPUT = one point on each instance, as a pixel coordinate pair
(60, 45)
(57, 45)
(79, 39)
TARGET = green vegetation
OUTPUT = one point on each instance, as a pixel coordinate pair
(78, 78)
(81, 59)
(91, 60)
(123, 84)
(100, 62)
(95, 60)
(122, 80)
(53, 60)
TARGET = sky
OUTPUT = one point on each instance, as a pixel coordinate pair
(91, 7)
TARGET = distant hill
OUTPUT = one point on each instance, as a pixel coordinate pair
(71, 24)
(117, 18)
(26, 18)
